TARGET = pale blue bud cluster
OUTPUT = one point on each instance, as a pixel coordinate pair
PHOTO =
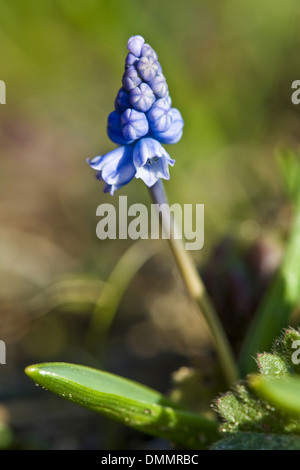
(142, 120)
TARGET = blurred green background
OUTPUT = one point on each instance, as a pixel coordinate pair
(229, 67)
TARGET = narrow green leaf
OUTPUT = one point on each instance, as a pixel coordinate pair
(288, 162)
(125, 401)
(279, 303)
(284, 394)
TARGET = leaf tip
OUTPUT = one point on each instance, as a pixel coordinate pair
(30, 371)
(34, 372)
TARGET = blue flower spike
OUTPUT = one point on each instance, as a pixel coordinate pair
(142, 120)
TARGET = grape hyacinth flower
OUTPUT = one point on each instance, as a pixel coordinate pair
(142, 120)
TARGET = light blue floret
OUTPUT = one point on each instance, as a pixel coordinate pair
(142, 120)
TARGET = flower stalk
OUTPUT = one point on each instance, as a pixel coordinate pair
(143, 120)
(196, 289)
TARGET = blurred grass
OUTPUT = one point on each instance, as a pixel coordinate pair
(229, 69)
(229, 66)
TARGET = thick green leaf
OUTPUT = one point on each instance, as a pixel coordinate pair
(258, 441)
(125, 401)
(283, 394)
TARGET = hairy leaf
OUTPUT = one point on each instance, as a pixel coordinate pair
(267, 402)
(258, 441)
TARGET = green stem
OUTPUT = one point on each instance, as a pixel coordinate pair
(197, 290)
